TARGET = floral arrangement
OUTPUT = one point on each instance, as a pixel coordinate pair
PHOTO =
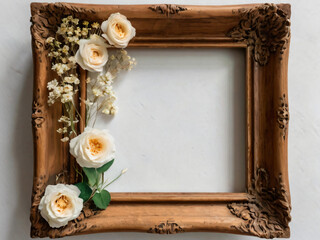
(81, 43)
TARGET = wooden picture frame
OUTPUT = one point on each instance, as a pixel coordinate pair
(264, 209)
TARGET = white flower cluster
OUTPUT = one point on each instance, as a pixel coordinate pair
(101, 95)
(120, 61)
(84, 44)
(64, 90)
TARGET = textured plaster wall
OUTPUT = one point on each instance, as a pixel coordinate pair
(16, 141)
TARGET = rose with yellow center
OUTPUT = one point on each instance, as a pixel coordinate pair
(93, 148)
(60, 204)
(118, 30)
(92, 54)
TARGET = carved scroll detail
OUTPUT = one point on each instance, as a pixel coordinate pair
(283, 116)
(46, 18)
(37, 114)
(266, 28)
(168, 9)
(267, 213)
(78, 225)
(168, 227)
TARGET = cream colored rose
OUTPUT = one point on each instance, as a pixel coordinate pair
(92, 54)
(60, 204)
(118, 30)
(93, 148)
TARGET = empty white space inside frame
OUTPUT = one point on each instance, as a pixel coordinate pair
(180, 126)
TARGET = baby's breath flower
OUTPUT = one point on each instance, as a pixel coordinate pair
(113, 110)
(67, 88)
(88, 102)
(72, 59)
(97, 92)
(88, 80)
(65, 49)
(109, 76)
(65, 20)
(70, 17)
(65, 139)
(70, 31)
(85, 23)
(62, 130)
(52, 84)
(95, 25)
(49, 40)
(77, 32)
(84, 31)
(75, 21)
(64, 119)
(61, 30)
(106, 111)
(71, 79)
(56, 54)
(67, 97)
(76, 80)
(57, 91)
(57, 43)
(60, 68)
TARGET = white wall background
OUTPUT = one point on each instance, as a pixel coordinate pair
(181, 122)
(16, 140)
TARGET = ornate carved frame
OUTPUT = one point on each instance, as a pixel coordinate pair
(264, 210)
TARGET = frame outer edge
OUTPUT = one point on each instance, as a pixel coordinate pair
(39, 125)
(274, 161)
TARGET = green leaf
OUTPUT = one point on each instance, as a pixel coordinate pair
(102, 199)
(85, 191)
(105, 167)
(92, 175)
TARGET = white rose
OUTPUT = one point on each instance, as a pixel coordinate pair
(60, 204)
(118, 30)
(92, 54)
(93, 148)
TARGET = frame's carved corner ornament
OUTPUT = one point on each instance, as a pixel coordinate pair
(37, 114)
(168, 227)
(167, 9)
(283, 116)
(267, 213)
(40, 228)
(76, 226)
(45, 19)
(266, 28)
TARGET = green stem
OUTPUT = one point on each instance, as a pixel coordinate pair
(92, 194)
(112, 181)
(78, 172)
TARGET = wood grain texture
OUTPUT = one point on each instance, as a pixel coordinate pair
(264, 210)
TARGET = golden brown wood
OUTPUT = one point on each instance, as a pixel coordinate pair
(264, 211)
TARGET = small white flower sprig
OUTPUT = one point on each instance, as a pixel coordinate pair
(80, 43)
